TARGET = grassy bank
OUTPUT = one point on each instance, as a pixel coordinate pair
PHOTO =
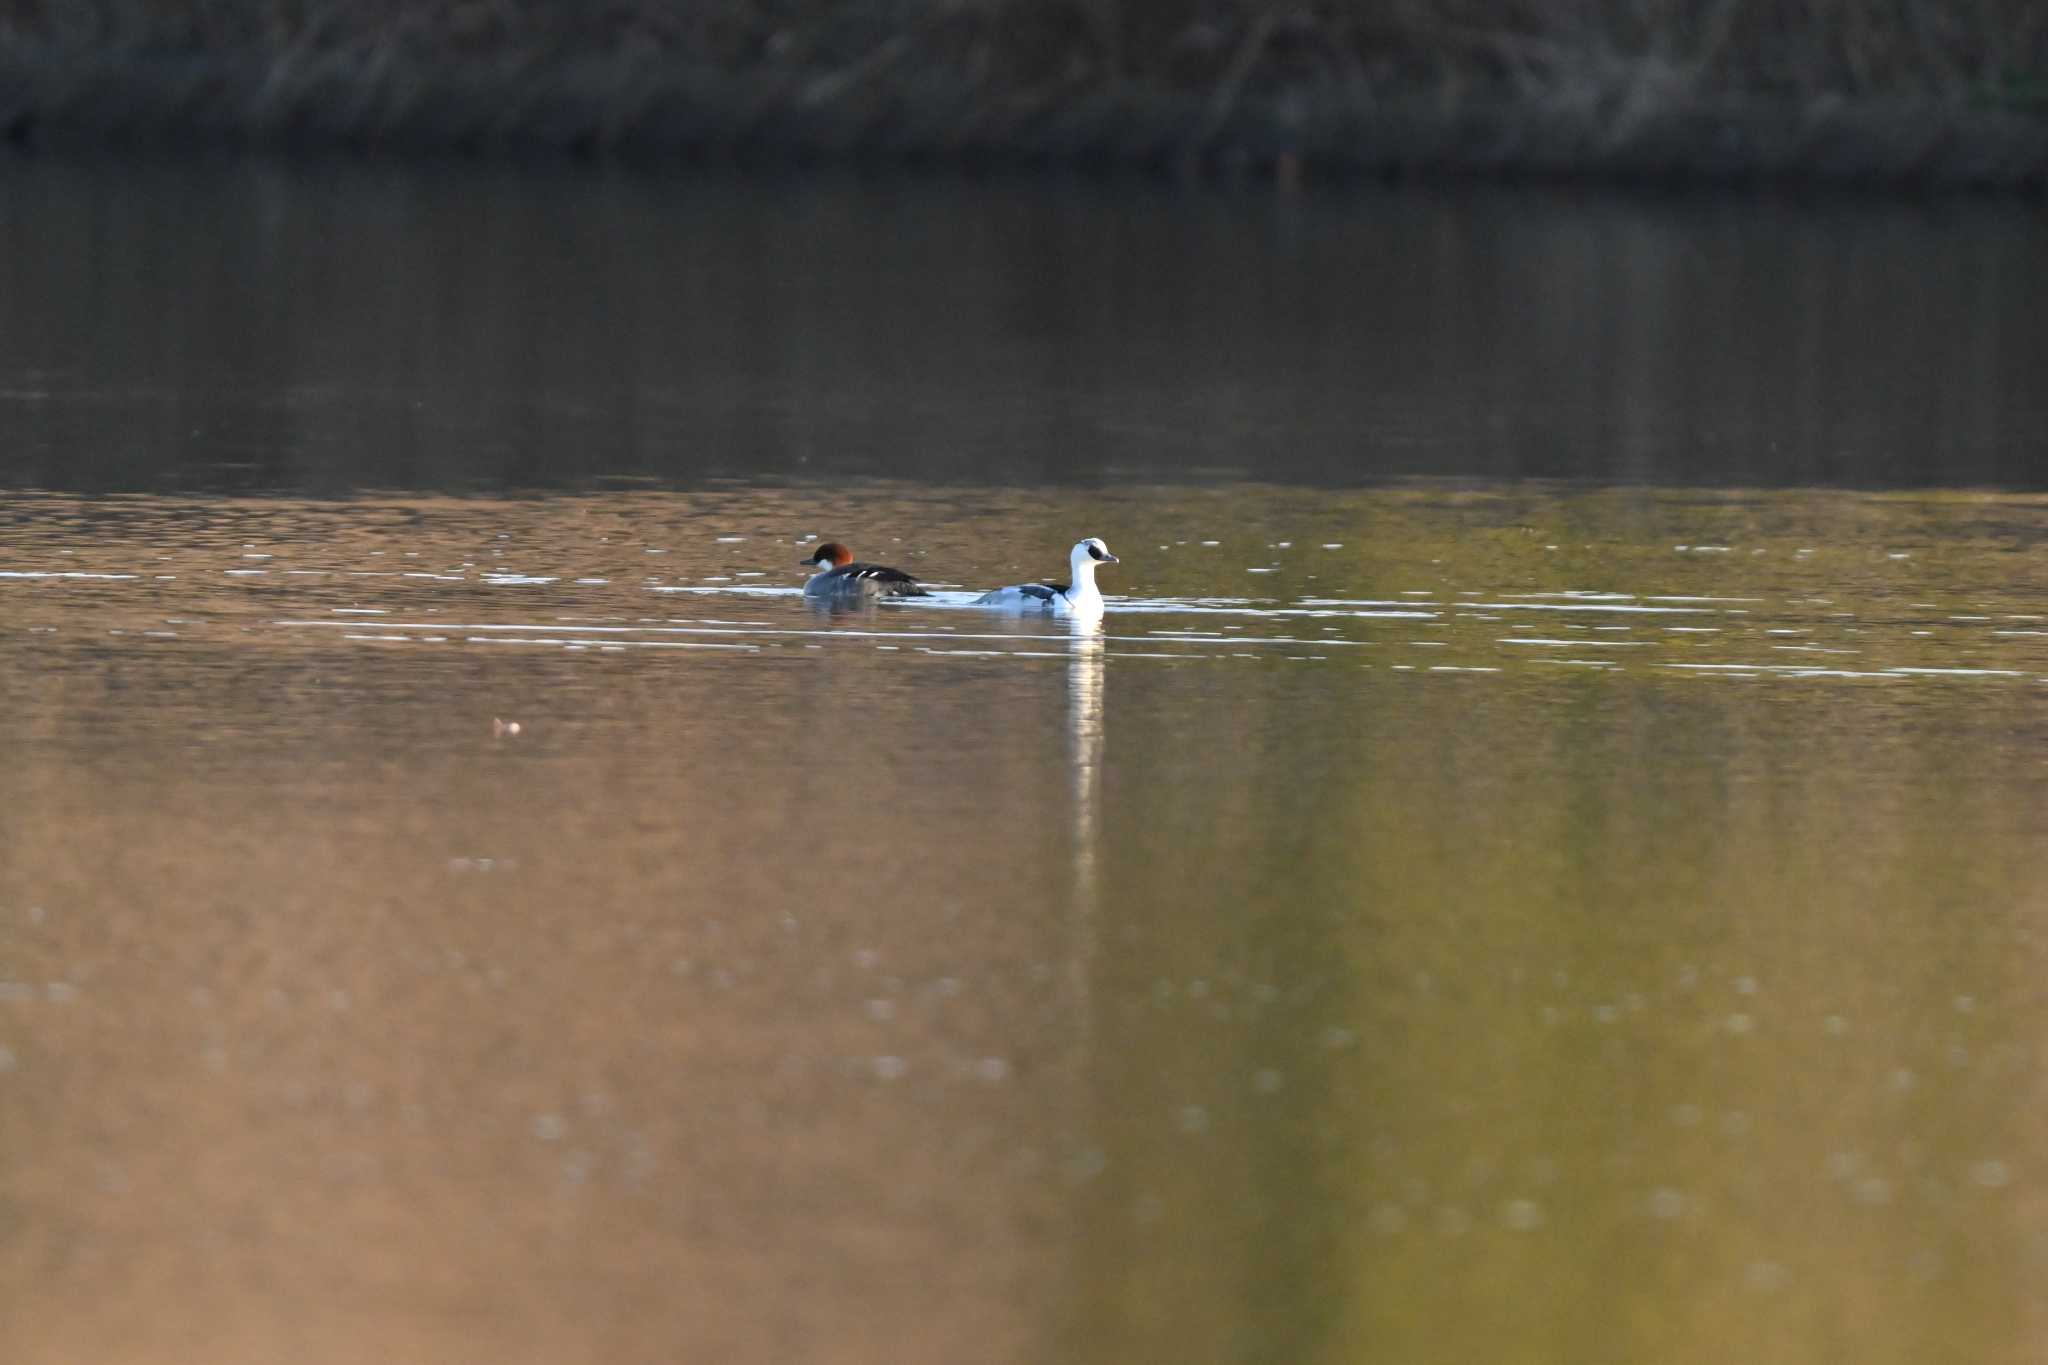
(1905, 92)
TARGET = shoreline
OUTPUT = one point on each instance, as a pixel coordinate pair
(1629, 133)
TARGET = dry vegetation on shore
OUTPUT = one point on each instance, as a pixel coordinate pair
(1890, 91)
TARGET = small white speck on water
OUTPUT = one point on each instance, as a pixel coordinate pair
(1212, 543)
(549, 1127)
(1337, 1039)
(1193, 1118)
(890, 1068)
(992, 1069)
(881, 1011)
(1764, 1277)
(1198, 989)
(789, 924)
(1874, 1190)
(1903, 1080)
(1843, 1165)
(1087, 1163)
(1745, 985)
(866, 958)
(1686, 1115)
(1740, 1024)
(1667, 1203)
(60, 992)
(1267, 1081)
(1688, 977)
(1992, 1175)
(1523, 1215)
(1966, 1004)
(1334, 545)
(37, 914)
(1735, 1123)
(7, 1060)
(1835, 1025)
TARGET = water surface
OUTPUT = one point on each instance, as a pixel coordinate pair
(1541, 860)
(1426, 925)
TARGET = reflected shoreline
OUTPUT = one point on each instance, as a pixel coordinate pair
(483, 330)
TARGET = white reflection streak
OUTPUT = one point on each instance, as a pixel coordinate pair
(1085, 665)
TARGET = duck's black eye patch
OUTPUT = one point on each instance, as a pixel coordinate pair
(1095, 552)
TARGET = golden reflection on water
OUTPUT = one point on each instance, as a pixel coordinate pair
(1252, 979)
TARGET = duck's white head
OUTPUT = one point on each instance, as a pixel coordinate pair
(1088, 553)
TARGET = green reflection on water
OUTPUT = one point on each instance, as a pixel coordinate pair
(1580, 1016)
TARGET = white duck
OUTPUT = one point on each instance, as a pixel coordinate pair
(1078, 597)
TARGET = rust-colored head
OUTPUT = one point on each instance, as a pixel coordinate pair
(830, 555)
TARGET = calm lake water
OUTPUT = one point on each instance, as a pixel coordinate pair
(1543, 859)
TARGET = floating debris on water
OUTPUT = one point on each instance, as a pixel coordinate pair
(1668, 1204)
